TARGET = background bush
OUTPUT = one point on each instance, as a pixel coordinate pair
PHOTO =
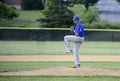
(32, 5)
(7, 12)
(103, 24)
(92, 15)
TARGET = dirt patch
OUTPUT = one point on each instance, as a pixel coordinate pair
(67, 57)
(65, 71)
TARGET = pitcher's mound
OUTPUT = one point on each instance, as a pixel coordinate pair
(65, 71)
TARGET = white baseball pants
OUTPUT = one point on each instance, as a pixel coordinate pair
(78, 41)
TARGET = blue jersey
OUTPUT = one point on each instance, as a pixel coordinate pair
(79, 28)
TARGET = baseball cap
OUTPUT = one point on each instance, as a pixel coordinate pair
(75, 18)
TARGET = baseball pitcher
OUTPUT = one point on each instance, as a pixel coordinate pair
(77, 38)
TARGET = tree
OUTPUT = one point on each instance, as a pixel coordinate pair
(1, 0)
(7, 12)
(56, 14)
(32, 5)
(86, 3)
(118, 0)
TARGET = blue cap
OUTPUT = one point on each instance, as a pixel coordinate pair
(75, 18)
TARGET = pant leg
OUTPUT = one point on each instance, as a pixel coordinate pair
(71, 38)
(67, 40)
(78, 41)
(76, 53)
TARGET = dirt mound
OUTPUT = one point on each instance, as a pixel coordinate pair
(65, 71)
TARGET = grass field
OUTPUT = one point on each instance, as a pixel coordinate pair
(56, 48)
(59, 78)
(22, 66)
(25, 19)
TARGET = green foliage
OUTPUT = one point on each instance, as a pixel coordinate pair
(103, 24)
(56, 14)
(71, 2)
(88, 3)
(90, 16)
(32, 5)
(118, 0)
(7, 12)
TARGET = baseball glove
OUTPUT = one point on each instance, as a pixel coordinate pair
(72, 28)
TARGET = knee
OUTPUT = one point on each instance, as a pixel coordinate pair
(65, 37)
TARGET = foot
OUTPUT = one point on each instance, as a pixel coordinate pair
(70, 51)
(76, 66)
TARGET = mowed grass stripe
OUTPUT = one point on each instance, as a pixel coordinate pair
(23, 66)
(59, 78)
(56, 48)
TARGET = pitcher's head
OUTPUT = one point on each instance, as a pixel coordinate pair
(75, 19)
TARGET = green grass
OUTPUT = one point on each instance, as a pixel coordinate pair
(56, 48)
(20, 66)
(59, 78)
(101, 48)
(26, 19)
(29, 15)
